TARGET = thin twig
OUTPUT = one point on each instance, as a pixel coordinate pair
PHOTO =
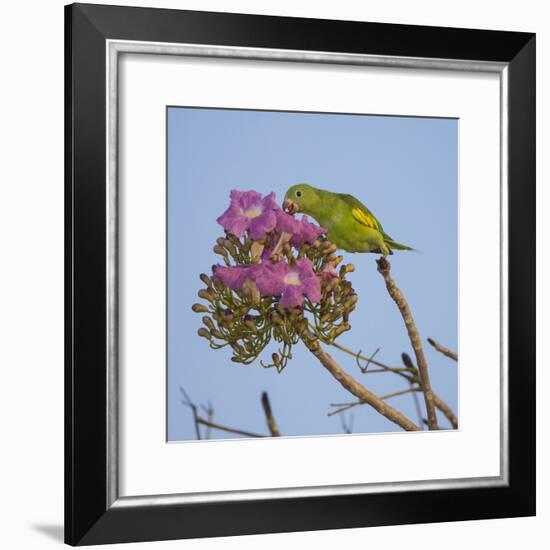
(209, 410)
(205, 422)
(351, 385)
(401, 392)
(384, 268)
(447, 411)
(189, 403)
(347, 427)
(409, 366)
(358, 355)
(346, 406)
(369, 360)
(439, 403)
(271, 423)
(407, 361)
(442, 349)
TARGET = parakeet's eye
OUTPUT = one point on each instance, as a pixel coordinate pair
(298, 194)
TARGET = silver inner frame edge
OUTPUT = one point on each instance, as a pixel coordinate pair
(116, 47)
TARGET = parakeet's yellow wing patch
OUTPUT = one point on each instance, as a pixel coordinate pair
(366, 219)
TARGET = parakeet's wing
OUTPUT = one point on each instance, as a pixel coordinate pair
(361, 213)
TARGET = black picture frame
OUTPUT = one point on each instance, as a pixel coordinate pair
(91, 514)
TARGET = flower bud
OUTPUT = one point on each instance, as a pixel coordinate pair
(331, 284)
(351, 301)
(218, 285)
(337, 312)
(250, 324)
(199, 308)
(339, 330)
(275, 359)
(276, 318)
(203, 333)
(206, 295)
(256, 249)
(238, 348)
(205, 279)
(250, 291)
(221, 251)
(208, 322)
(229, 246)
(303, 325)
(406, 358)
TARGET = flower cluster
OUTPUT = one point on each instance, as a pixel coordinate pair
(280, 280)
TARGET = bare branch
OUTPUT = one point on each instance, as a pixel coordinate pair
(447, 411)
(384, 268)
(439, 403)
(371, 360)
(271, 423)
(209, 410)
(404, 373)
(189, 403)
(345, 406)
(442, 349)
(205, 422)
(401, 392)
(347, 427)
(407, 361)
(351, 385)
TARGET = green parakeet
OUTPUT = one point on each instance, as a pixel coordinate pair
(351, 225)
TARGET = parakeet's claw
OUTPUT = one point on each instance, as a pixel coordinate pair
(290, 206)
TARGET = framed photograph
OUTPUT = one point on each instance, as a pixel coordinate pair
(300, 274)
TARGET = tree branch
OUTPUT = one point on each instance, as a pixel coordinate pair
(442, 349)
(188, 403)
(205, 422)
(271, 423)
(384, 268)
(370, 360)
(439, 403)
(209, 410)
(447, 411)
(355, 388)
(345, 406)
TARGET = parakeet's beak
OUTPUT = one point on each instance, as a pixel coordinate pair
(290, 206)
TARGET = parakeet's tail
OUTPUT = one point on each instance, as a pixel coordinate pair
(397, 246)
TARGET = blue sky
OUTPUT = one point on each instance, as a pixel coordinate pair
(403, 169)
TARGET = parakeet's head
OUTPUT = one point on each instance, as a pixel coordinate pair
(301, 198)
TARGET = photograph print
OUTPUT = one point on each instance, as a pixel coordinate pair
(312, 274)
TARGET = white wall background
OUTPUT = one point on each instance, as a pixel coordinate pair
(31, 273)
